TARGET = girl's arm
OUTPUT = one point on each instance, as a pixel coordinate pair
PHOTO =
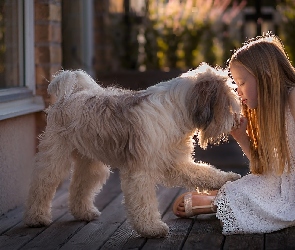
(240, 135)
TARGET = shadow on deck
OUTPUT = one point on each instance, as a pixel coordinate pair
(112, 230)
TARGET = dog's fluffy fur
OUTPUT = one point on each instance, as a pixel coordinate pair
(147, 134)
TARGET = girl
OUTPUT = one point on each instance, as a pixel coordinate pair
(264, 200)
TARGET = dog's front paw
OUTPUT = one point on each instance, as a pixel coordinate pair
(231, 176)
(86, 214)
(155, 230)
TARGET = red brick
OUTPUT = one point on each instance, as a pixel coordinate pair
(47, 33)
(48, 10)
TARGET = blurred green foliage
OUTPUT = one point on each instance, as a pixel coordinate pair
(172, 34)
(287, 11)
(184, 33)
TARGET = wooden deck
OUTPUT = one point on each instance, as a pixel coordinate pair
(112, 231)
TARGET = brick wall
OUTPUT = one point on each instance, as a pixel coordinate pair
(48, 49)
(48, 38)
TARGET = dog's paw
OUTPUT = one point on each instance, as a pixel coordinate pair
(37, 220)
(86, 214)
(155, 230)
(231, 176)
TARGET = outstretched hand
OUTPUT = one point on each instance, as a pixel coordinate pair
(240, 135)
(239, 131)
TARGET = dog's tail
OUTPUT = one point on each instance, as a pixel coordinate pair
(65, 82)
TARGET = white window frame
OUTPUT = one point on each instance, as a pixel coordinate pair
(29, 41)
(22, 100)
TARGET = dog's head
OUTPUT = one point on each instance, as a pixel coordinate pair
(213, 103)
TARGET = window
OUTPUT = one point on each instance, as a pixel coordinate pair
(17, 71)
(17, 44)
(10, 43)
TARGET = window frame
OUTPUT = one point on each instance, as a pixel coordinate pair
(22, 100)
(29, 41)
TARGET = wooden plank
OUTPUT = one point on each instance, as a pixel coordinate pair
(109, 191)
(57, 234)
(15, 216)
(65, 227)
(178, 228)
(125, 234)
(10, 219)
(126, 238)
(20, 235)
(96, 233)
(206, 233)
(244, 241)
(283, 239)
(13, 219)
(112, 231)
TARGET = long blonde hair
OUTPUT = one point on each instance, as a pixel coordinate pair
(265, 58)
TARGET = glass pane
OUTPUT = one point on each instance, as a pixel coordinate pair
(9, 43)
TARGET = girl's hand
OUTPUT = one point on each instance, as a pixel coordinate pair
(239, 132)
(240, 135)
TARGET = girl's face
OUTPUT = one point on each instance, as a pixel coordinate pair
(246, 83)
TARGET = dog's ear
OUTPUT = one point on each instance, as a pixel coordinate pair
(203, 100)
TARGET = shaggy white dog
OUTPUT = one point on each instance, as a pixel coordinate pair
(147, 134)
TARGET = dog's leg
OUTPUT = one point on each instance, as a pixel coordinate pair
(87, 179)
(142, 205)
(192, 175)
(52, 165)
